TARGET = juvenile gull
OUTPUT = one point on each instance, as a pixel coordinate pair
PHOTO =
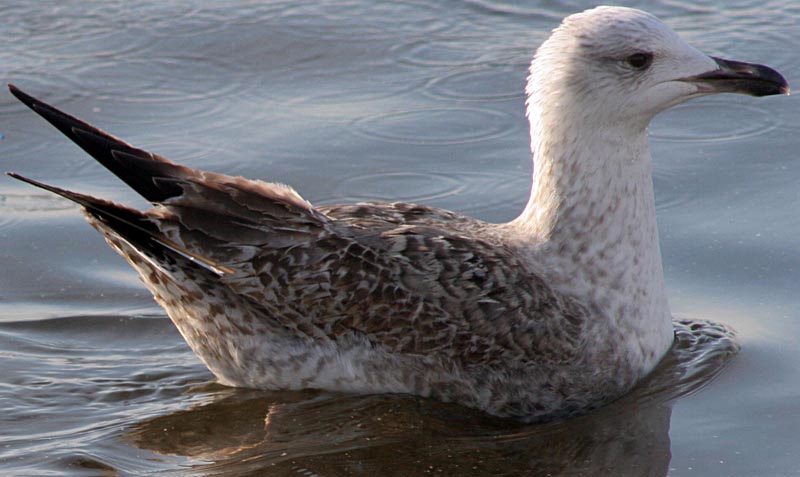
(556, 312)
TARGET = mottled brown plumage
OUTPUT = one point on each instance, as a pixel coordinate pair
(232, 259)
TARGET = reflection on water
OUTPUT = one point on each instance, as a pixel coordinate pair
(361, 100)
(329, 434)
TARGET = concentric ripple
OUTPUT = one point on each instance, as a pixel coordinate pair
(357, 20)
(472, 191)
(725, 122)
(506, 82)
(435, 125)
(455, 51)
(425, 186)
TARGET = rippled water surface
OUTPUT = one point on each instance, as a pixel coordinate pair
(363, 100)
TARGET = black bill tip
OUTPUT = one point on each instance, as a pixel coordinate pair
(744, 78)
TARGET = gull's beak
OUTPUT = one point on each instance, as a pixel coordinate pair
(738, 77)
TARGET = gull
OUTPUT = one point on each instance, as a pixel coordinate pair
(554, 313)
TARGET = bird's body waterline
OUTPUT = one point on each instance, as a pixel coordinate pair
(556, 312)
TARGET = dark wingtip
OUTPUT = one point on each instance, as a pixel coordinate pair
(137, 167)
(131, 225)
(24, 97)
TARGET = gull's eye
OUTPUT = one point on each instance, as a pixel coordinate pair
(639, 61)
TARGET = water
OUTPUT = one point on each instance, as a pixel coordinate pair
(354, 100)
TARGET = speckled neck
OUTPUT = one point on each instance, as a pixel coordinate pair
(592, 222)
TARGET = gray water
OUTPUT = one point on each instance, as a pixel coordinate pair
(360, 100)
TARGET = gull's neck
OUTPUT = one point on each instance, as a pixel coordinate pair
(591, 216)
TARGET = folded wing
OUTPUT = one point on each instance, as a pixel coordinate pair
(410, 279)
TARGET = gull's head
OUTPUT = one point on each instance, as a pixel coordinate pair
(624, 65)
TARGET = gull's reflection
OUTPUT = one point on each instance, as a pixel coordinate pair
(315, 433)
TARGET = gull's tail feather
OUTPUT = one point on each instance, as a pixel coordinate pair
(210, 218)
(152, 176)
(129, 224)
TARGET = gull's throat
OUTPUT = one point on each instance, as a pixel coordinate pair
(592, 218)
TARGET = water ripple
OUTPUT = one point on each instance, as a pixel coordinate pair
(506, 82)
(668, 183)
(435, 125)
(529, 11)
(474, 193)
(172, 79)
(701, 351)
(61, 86)
(457, 51)
(332, 98)
(359, 20)
(425, 186)
(725, 121)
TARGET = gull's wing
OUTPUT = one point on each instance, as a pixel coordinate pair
(411, 279)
